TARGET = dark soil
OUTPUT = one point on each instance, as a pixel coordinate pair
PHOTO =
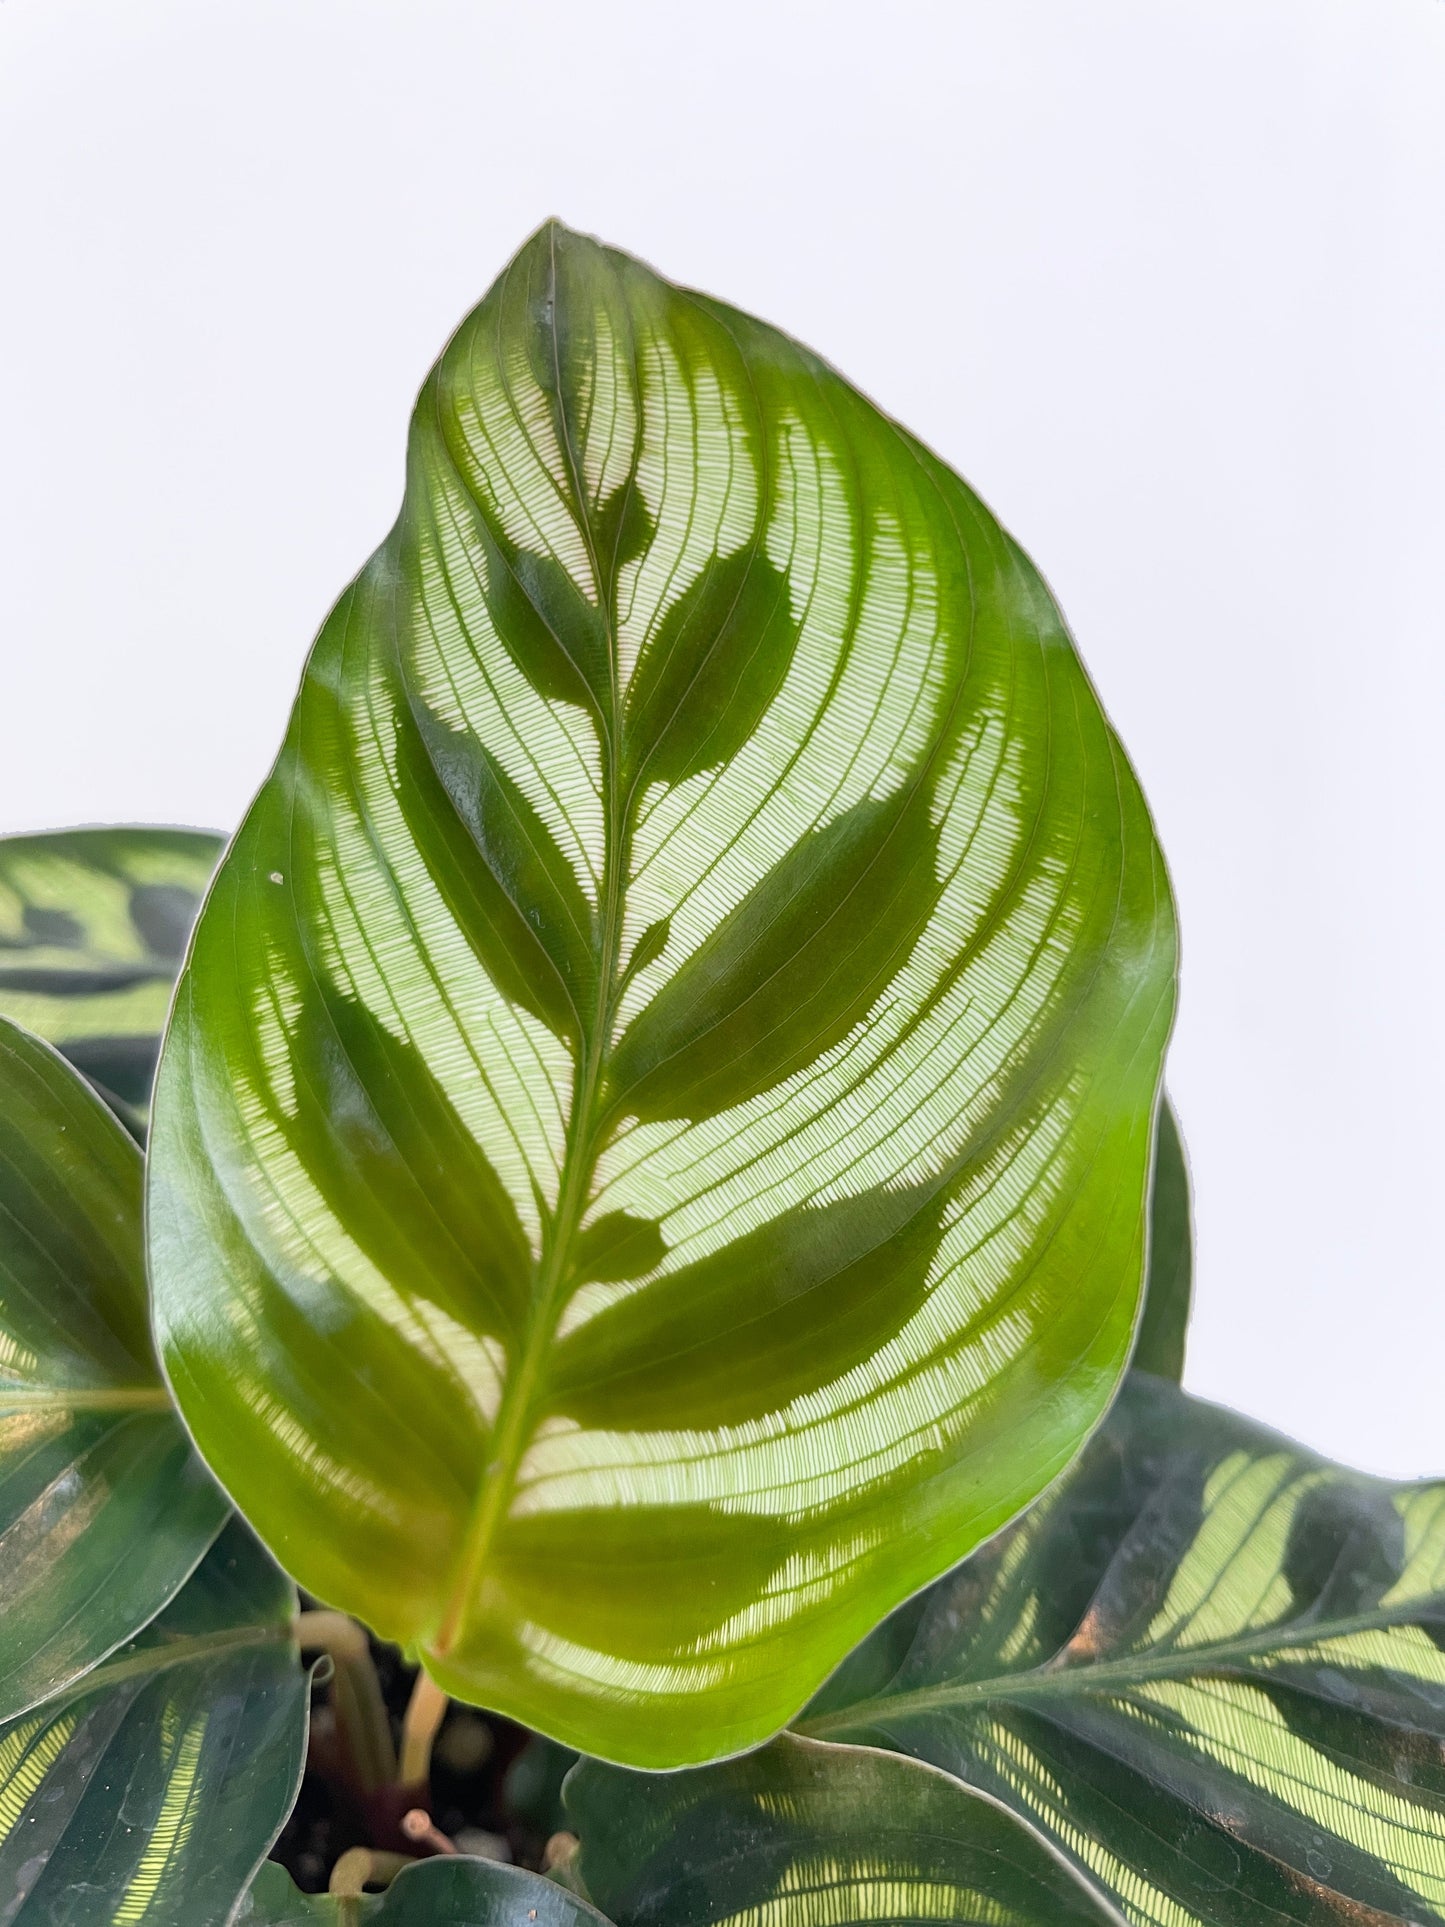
(494, 1786)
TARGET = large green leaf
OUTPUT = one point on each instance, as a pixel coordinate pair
(1169, 1287)
(651, 1145)
(148, 1795)
(1209, 1665)
(92, 927)
(437, 1893)
(104, 1507)
(803, 1835)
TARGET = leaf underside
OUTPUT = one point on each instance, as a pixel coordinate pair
(1208, 1665)
(150, 1793)
(105, 1509)
(93, 925)
(650, 1150)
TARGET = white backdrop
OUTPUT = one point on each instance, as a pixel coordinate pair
(1165, 279)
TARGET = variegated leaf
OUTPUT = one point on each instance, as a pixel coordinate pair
(148, 1794)
(1209, 1665)
(105, 1510)
(93, 924)
(803, 1835)
(651, 1147)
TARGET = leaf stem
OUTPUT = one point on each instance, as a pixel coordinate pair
(425, 1711)
(363, 1730)
(360, 1868)
(417, 1824)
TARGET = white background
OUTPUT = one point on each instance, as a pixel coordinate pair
(1165, 280)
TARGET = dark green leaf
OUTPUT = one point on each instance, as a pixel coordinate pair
(436, 1893)
(104, 1507)
(1209, 1665)
(651, 1146)
(532, 1786)
(1162, 1331)
(93, 925)
(802, 1835)
(149, 1793)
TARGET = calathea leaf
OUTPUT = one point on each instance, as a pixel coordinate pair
(453, 1892)
(651, 1146)
(150, 1792)
(104, 1507)
(1208, 1664)
(803, 1835)
(1159, 1347)
(93, 924)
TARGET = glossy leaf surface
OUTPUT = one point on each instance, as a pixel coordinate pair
(1170, 1283)
(651, 1148)
(1210, 1665)
(93, 924)
(458, 1892)
(104, 1507)
(151, 1792)
(803, 1835)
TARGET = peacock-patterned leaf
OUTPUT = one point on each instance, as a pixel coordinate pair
(1208, 1665)
(806, 1835)
(650, 1150)
(93, 925)
(148, 1795)
(105, 1510)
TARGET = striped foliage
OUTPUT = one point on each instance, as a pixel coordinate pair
(803, 1835)
(651, 1146)
(92, 927)
(105, 1510)
(148, 1795)
(1209, 1666)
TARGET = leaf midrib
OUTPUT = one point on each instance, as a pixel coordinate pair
(589, 1125)
(184, 1650)
(15, 1399)
(1052, 1681)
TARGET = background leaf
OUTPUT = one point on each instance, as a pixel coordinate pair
(93, 924)
(151, 1792)
(104, 1508)
(802, 1835)
(694, 822)
(1208, 1664)
(451, 1892)
(1165, 1323)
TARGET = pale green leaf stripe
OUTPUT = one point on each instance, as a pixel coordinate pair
(105, 1510)
(651, 1145)
(1209, 1665)
(92, 927)
(148, 1795)
(803, 1835)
